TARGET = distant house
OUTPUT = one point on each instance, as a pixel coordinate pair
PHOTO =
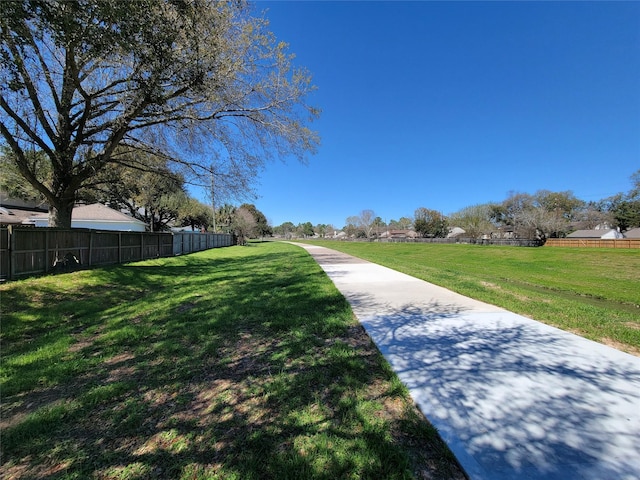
(633, 233)
(455, 232)
(14, 211)
(10, 215)
(507, 232)
(398, 234)
(609, 233)
(95, 216)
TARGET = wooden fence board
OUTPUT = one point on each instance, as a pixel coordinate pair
(593, 242)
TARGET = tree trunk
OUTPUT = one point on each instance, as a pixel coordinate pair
(60, 213)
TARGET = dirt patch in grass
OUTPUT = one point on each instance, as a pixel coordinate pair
(621, 346)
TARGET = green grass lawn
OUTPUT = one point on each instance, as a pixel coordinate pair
(589, 291)
(235, 363)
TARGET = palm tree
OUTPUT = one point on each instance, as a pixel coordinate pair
(225, 216)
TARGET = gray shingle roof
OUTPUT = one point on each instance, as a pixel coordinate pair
(96, 212)
(588, 233)
(633, 233)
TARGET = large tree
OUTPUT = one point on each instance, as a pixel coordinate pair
(378, 226)
(285, 230)
(260, 224)
(591, 215)
(475, 220)
(430, 223)
(558, 210)
(203, 84)
(625, 211)
(625, 207)
(306, 229)
(244, 225)
(351, 227)
(404, 223)
(517, 212)
(194, 214)
(362, 223)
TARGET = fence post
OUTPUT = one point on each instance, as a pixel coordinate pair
(119, 247)
(12, 252)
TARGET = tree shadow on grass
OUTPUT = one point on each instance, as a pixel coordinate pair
(245, 364)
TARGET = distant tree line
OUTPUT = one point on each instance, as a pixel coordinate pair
(542, 215)
(303, 230)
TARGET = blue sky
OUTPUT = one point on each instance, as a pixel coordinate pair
(445, 105)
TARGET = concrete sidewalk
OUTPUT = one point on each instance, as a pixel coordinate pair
(513, 398)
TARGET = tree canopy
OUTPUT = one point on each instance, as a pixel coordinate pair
(474, 220)
(261, 226)
(249, 222)
(430, 223)
(202, 84)
(625, 207)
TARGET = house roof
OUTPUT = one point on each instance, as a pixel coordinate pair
(633, 233)
(398, 233)
(589, 233)
(11, 202)
(17, 216)
(14, 211)
(96, 212)
(101, 212)
(455, 232)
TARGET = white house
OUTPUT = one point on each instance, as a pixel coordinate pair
(95, 216)
(601, 233)
(455, 232)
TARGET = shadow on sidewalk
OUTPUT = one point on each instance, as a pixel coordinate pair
(517, 398)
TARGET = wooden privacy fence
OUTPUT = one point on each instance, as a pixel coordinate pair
(32, 251)
(593, 242)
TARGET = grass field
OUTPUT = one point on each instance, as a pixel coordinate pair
(592, 292)
(235, 363)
